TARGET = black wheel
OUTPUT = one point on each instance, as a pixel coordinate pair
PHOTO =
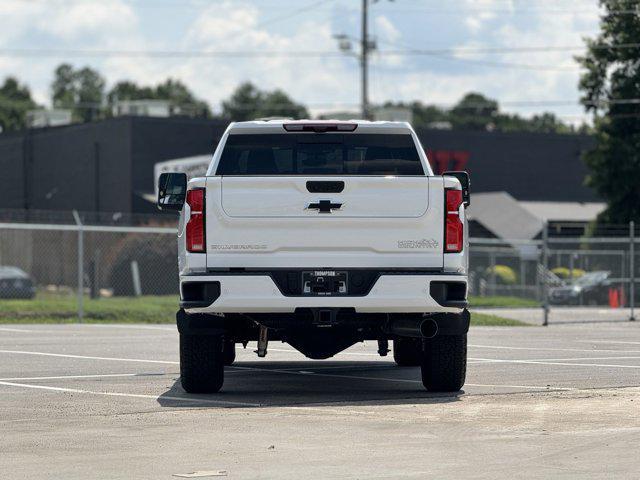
(201, 363)
(407, 352)
(444, 363)
(229, 352)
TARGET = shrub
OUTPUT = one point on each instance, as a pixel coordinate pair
(504, 275)
(565, 274)
(157, 263)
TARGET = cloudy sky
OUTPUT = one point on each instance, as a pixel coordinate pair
(428, 50)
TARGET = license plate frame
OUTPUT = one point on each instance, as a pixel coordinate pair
(325, 283)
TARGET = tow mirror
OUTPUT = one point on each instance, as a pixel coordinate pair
(172, 189)
(463, 177)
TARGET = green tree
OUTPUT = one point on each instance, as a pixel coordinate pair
(545, 122)
(279, 104)
(248, 103)
(15, 101)
(127, 90)
(548, 123)
(82, 91)
(426, 115)
(181, 99)
(423, 115)
(477, 112)
(243, 104)
(90, 94)
(611, 86)
(474, 112)
(63, 89)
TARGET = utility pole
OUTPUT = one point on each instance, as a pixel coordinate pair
(364, 60)
(367, 45)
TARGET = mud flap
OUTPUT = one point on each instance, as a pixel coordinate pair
(452, 323)
(199, 324)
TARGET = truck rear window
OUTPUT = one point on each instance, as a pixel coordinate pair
(320, 154)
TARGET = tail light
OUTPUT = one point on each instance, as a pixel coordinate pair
(453, 228)
(195, 225)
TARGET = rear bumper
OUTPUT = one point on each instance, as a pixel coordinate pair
(420, 293)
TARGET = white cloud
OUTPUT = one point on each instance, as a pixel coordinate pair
(90, 19)
(227, 21)
(480, 12)
(18, 17)
(473, 23)
(229, 27)
(386, 29)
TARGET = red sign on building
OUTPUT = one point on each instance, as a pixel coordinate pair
(443, 160)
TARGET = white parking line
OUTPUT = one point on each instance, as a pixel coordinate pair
(575, 359)
(541, 362)
(497, 347)
(121, 326)
(477, 361)
(133, 395)
(610, 341)
(529, 387)
(105, 375)
(19, 330)
(537, 349)
(115, 359)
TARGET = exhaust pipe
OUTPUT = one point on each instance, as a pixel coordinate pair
(409, 327)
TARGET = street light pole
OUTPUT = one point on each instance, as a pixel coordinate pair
(367, 45)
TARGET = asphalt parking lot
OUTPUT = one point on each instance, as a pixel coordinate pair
(89, 401)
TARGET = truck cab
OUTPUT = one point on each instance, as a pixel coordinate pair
(321, 234)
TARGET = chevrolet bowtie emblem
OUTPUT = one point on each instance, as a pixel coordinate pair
(324, 206)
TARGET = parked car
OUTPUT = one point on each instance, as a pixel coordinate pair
(15, 283)
(590, 289)
(322, 235)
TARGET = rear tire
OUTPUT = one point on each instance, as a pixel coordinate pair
(201, 363)
(229, 352)
(407, 352)
(444, 363)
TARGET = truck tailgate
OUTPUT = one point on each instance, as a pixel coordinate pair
(277, 222)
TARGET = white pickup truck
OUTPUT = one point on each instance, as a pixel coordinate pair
(321, 234)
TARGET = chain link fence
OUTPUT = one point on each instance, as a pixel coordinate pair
(94, 272)
(558, 277)
(83, 271)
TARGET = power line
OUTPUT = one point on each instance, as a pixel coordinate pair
(413, 11)
(292, 13)
(509, 65)
(406, 50)
(40, 52)
(525, 49)
(51, 52)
